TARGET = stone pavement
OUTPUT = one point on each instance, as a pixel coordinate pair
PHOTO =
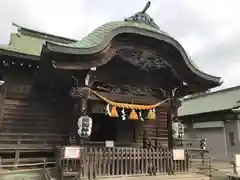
(219, 173)
(222, 166)
(183, 176)
(35, 175)
(220, 169)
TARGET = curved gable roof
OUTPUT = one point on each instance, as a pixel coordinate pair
(101, 37)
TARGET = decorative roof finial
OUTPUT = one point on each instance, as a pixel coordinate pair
(146, 7)
(143, 17)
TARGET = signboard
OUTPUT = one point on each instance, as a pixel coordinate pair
(237, 161)
(72, 152)
(109, 144)
(178, 154)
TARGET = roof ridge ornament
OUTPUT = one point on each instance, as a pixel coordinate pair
(142, 16)
(146, 7)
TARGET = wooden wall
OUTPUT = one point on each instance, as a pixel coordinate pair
(25, 110)
(153, 128)
(156, 130)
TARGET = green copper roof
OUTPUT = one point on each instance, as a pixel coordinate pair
(24, 44)
(140, 21)
(30, 42)
(97, 36)
(32, 45)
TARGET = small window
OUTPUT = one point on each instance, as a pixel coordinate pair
(231, 139)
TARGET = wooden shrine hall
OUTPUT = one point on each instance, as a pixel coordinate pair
(127, 76)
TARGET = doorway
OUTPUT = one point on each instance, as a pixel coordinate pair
(113, 129)
(104, 128)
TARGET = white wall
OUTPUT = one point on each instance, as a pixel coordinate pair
(216, 141)
(233, 126)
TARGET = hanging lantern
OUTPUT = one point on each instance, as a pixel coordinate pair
(151, 114)
(133, 115)
(114, 112)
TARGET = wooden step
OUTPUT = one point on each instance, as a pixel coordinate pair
(48, 140)
(26, 148)
(32, 135)
(156, 129)
(33, 126)
(27, 111)
(17, 115)
(29, 123)
(51, 139)
(27, 160)
(154, 134)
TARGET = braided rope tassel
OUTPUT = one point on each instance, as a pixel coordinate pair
(140, 116)
(123, 114)
(108, 110)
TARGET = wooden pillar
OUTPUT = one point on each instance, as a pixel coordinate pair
(84, 101)
(80, 109)
(169, 121)
(82, 98)
(2, 101)
(138, 132)
(171, 110)
(84, 108)
(74, 127)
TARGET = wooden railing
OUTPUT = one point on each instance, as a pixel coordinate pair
(25, 148)
(110, 162)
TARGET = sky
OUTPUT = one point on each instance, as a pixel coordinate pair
(209, 30)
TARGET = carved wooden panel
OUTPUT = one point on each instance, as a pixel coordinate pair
(143, 58)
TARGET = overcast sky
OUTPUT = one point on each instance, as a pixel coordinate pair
(209, 30)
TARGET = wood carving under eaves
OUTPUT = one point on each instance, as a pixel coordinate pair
(77, 91)
(146, 60)
(100, 46)
(139, 56)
